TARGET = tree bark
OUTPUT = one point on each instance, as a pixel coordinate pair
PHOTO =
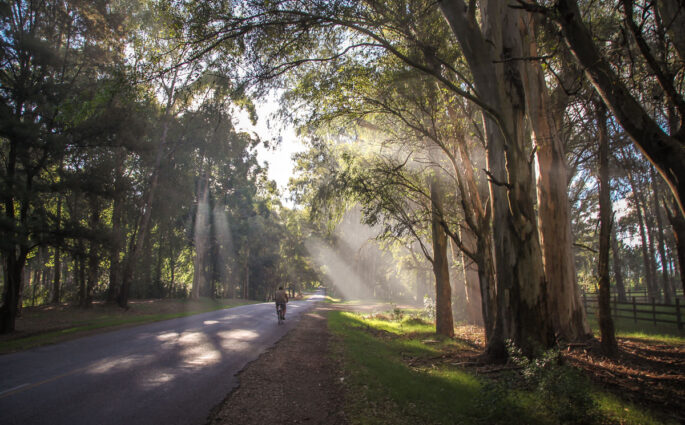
(650, 280)
(661, 243)
(14, 253)
(554, 219)
(677, 221)
(606, 323)
(444, 322)
(474, 307)
(521, 284)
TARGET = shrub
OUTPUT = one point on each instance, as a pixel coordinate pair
(560, 389)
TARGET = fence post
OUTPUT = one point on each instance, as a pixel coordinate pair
(634, 311)
(654, 310)
(677, 314)
(585, 302)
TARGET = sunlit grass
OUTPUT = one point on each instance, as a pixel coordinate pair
(626, 328)
(620, 412)
(394, 373)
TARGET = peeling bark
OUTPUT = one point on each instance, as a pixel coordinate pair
(521, 284)
(554, 219)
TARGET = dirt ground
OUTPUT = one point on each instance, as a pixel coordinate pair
(644, 372)
(295, 382)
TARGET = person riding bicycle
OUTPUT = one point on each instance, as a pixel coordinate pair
(281, 298)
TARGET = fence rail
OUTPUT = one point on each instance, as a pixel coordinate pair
(640, 311)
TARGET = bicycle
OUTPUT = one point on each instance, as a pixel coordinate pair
(280, 313)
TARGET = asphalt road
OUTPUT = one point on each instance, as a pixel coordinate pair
(170, 372)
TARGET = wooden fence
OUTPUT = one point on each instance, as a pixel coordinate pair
(640, 311)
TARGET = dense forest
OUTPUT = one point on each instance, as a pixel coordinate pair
(504, 157)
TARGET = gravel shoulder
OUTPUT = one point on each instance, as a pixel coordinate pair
(295, 382)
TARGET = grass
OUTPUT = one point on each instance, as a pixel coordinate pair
(627, 328)
(397, 371)
(644, 327)
(53, 324)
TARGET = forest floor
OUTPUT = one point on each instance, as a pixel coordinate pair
(645, 372)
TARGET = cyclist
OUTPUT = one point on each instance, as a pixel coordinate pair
(281, 298)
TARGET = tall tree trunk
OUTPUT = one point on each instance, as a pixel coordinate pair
(661, 243)
(474, 306)
(618, 269)
(15, 252)
(606, 323)
(57, 259)
(677, 221)
(478, 220)
(649, 271)
(521, 284)
(93, 256)
(444, 322)
(554, 218)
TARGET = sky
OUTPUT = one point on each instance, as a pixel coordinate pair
(279, 158)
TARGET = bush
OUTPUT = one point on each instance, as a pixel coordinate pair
(561, 390)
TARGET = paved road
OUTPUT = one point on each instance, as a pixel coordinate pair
(170, 372)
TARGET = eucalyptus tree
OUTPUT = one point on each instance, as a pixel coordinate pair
(282, 37)
(405, 110)
(651, 34)
(606, 324)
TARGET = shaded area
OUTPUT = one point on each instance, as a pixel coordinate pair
(646, 373)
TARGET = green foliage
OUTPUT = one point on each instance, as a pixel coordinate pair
(560, 389)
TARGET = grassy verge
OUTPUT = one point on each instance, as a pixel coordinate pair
(627, 328)
(397, 371)
(50, 325)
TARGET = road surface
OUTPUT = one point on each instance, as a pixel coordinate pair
(170, 372)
